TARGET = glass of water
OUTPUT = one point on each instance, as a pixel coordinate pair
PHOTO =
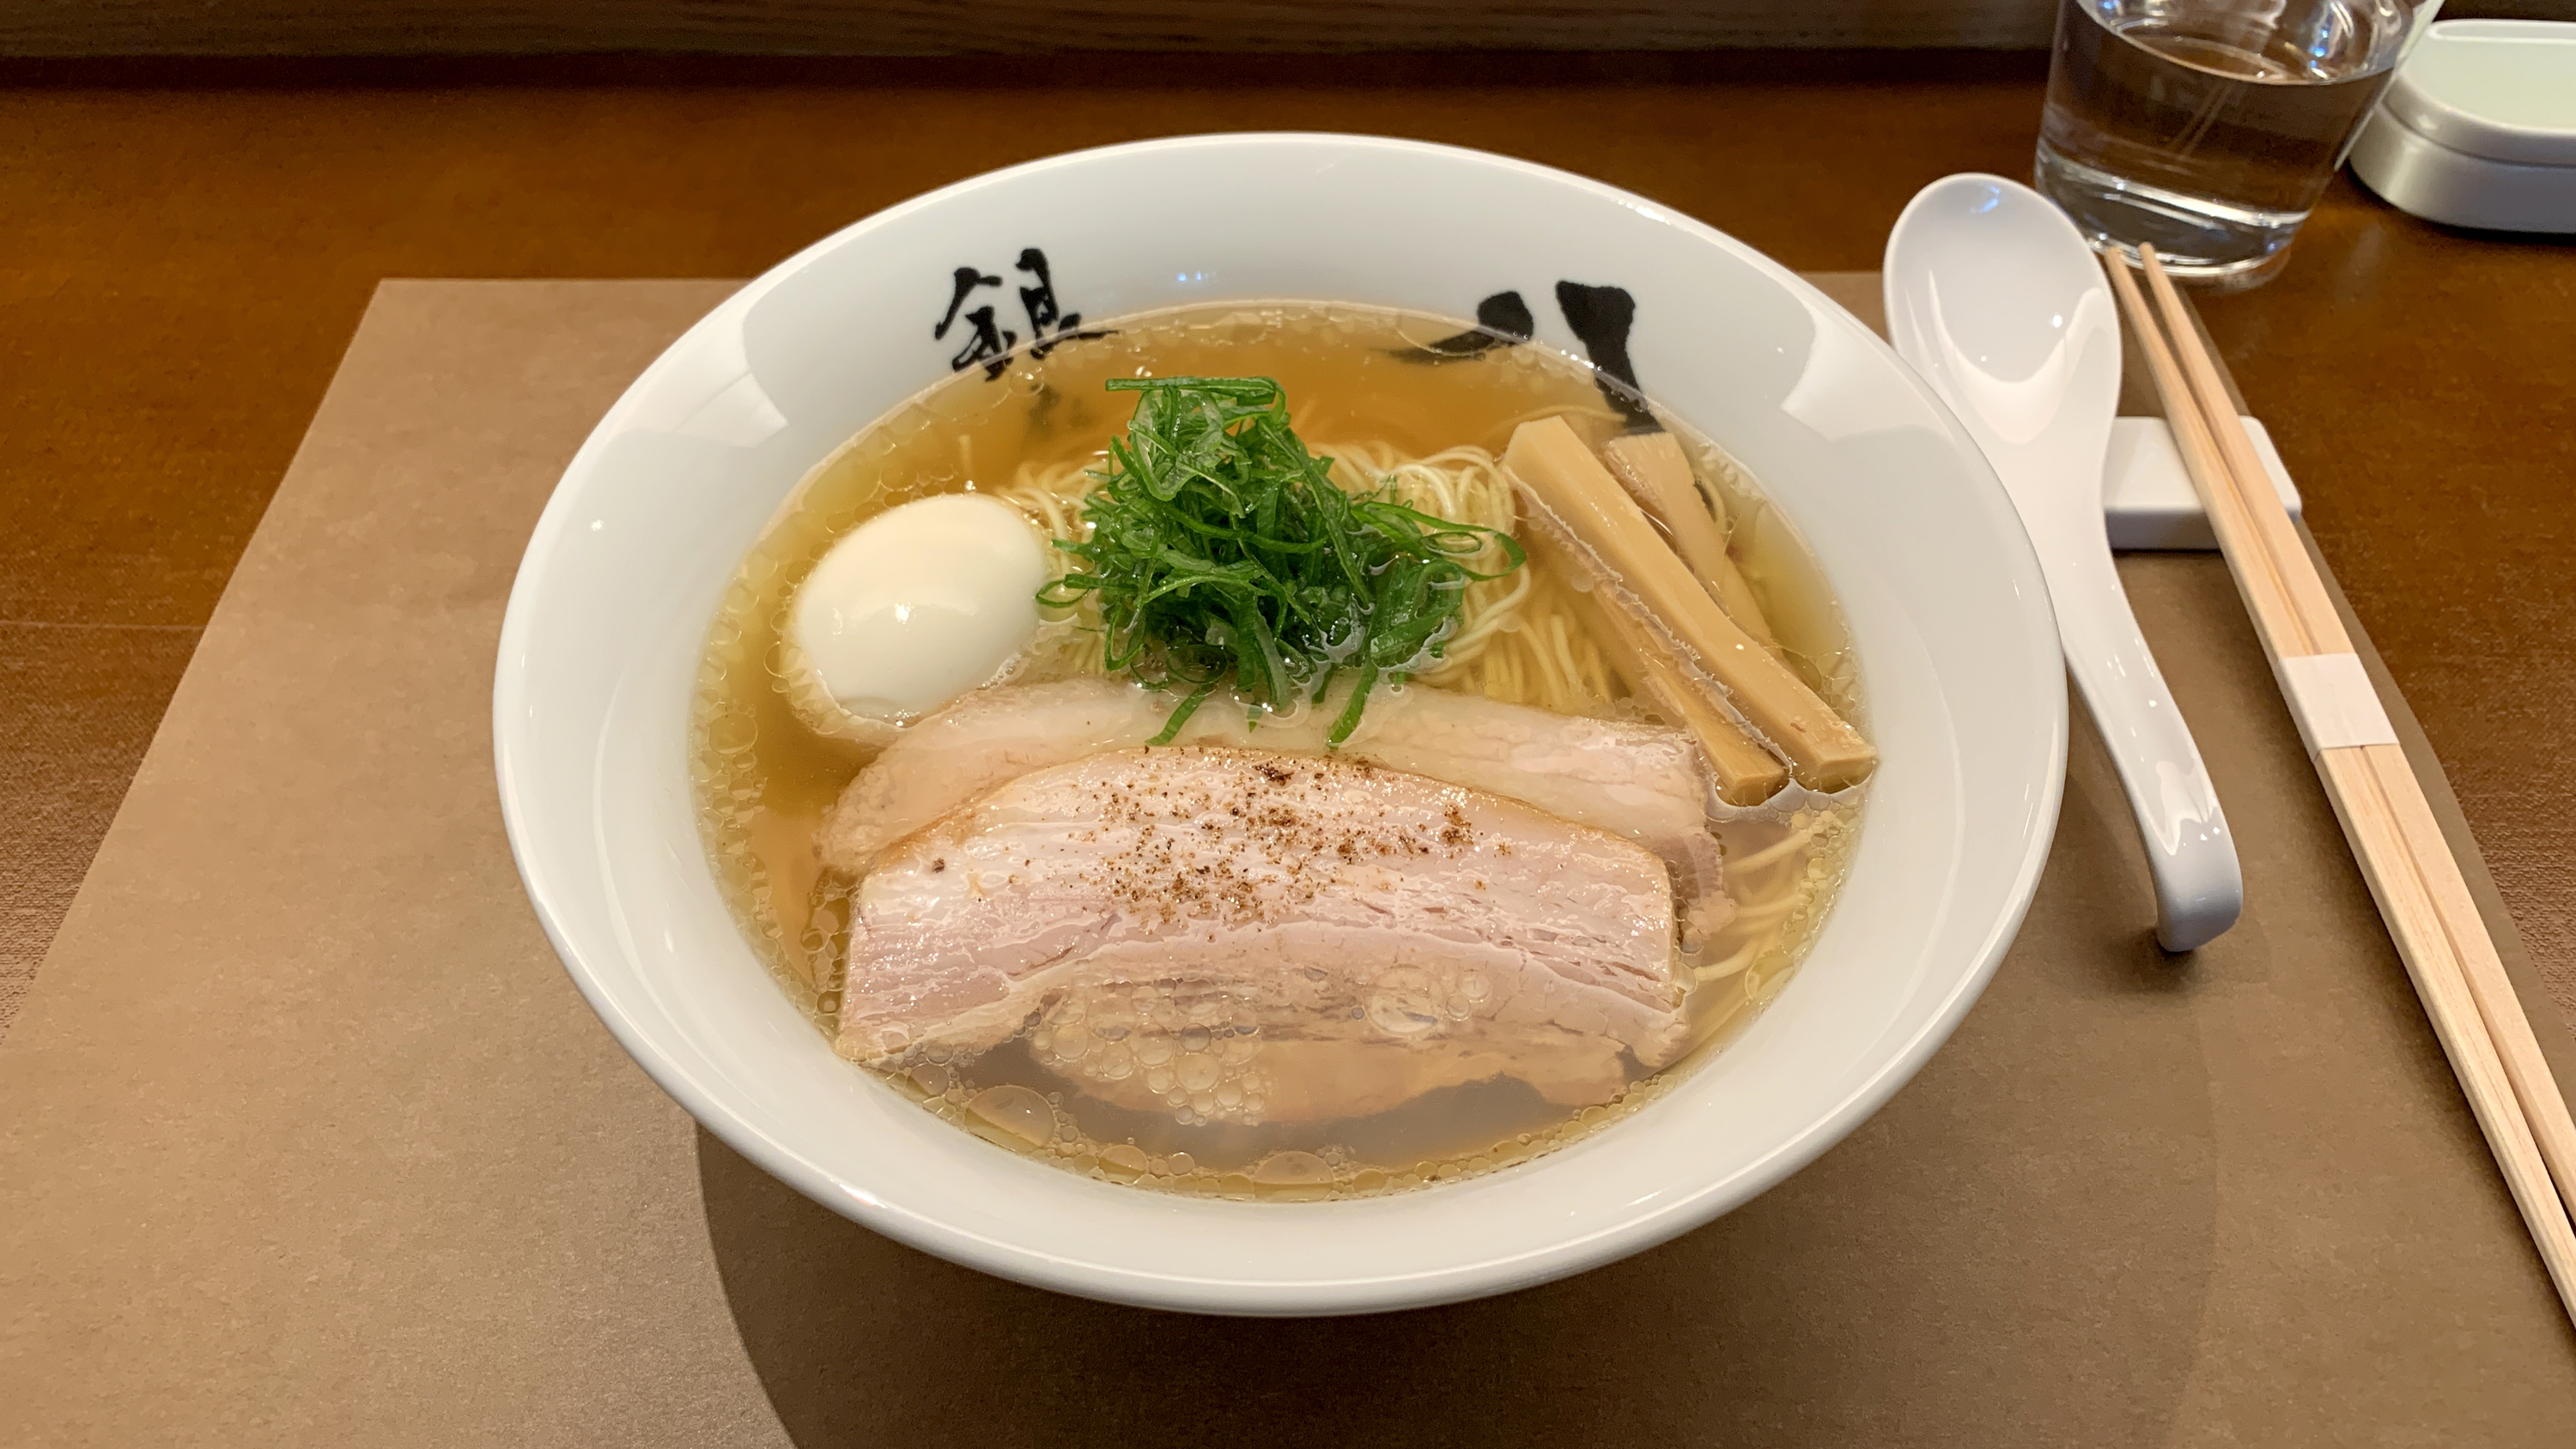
(2208, 128)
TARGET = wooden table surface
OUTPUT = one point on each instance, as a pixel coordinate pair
(184, 252)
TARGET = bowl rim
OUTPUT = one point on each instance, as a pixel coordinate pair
(1284, 1297)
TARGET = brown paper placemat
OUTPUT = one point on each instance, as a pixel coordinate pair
(309, 1141)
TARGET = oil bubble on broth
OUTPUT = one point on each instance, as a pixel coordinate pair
(1189, 1083)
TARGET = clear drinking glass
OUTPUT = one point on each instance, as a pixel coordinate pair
(2205, 128)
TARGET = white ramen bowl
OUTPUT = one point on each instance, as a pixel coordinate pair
(1958, 656)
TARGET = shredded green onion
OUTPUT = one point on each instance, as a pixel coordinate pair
(1221, 551)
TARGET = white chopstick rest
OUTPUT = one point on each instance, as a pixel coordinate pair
(2331, 697)
(2147, 498)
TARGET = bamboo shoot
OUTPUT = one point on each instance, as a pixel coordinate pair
(1746, 773)
(1559, 477)
(1655, 473)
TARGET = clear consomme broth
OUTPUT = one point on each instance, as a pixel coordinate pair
(764, 779)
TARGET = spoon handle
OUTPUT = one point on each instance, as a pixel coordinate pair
(2200, 888)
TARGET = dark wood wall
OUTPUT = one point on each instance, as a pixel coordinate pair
(944, 27)
(71, 28)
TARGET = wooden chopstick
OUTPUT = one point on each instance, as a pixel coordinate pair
(2314, 612)
(2394, 836)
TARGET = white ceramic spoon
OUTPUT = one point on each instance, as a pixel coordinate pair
(1994, 297)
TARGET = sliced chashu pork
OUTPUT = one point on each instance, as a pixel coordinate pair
(1258, 936)
(1639, 780)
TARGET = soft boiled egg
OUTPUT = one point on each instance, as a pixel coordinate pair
(910, 610)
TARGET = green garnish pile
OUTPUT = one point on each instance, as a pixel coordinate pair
(1221, 549)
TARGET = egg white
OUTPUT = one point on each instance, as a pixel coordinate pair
(911, 609)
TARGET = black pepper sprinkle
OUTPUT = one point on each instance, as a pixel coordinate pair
(1293, 834)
